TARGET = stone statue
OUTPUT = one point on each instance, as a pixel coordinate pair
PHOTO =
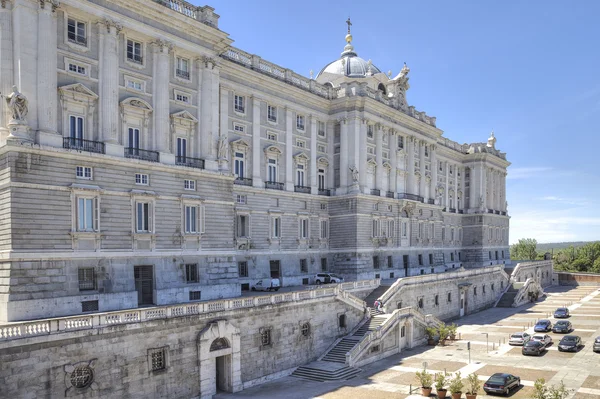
(223, 147)
(354, 171)
(17, 103)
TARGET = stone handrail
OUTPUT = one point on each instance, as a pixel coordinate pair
(437, 277)
(520, 298)
(27, 329)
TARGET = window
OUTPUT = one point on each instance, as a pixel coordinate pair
(375, 262)
(376, 228)
(300, 143)
(271, 113)
(271, 136)
(449, 297)
(89, 306)
(243, 269)
(305, 329)
(243, 226)
(474, 290)
(402, 332)
(451, 256)
(404, 229)
(239, 128)
(390, 262)
(276, 227)
(420, 260)
(321, 148)
(142, 179)
(87, 214)
(76, 32)
(265, 337)
(87, 279)
(143, 217)
(193, 219)
(191, 273)
(400, 142)
(483, 288)
(443, 233)
(300, 175)
(390, 226)
(321, 129)
(181, 147)
(323, 264)
(158, 359)
(323, 205)
(303, 266)
(184, 98)
(84, 172)
(300, 122)
(370, 131)
(77, 68)
(134, 51)
(452, 234)
(420, 302)
(303, 229)
(76, 124)
(239, 104)
(239, 164)
(431, 259)
(241, 199)
(436, 300)
(342, 321)
(189, 185)
(324, 231)
(134, 84)
(321, 179)
(195, 295)
(182, 68)
(272, 170)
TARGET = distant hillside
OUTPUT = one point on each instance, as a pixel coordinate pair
(560, 245)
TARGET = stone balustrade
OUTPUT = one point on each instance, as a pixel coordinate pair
(27, 329)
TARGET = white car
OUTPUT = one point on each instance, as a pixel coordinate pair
(519, 338)
(327, 278)
(266, 284)
(543, 338)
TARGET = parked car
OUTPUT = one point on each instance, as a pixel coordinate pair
(543, 325)
(519, 338)
(543, 338)
(327, 278)
(570, 343)
(561, 313)
(562, 326)
(266, 284)
(501, 383)
(533, 348)
(597, 344)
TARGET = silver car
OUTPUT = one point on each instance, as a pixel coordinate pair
(543, 338)
(519, 338)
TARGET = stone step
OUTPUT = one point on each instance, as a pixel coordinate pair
(322, 374)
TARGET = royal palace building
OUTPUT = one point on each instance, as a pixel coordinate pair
(144, 160)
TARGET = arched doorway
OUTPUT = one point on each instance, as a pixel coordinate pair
(219, 358)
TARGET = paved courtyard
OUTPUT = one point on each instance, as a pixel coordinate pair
(393, 377)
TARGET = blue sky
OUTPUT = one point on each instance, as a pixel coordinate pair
(526, 69)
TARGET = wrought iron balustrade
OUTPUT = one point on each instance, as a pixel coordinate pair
(302, 189)
(411, 197)
(182, 74)
(389, 194)
(189, 161)
(273, 185)
(81, 40)
(452, 210)
(431, 201)
(138, 153)
(243, 181)
(325, 191)
(72, 143)
(461, 211)
(375, 191)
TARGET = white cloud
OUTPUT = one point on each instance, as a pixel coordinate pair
(526, 173)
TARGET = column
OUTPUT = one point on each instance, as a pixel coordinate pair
(379, 157)
(314, 188)
(362, 157)
(483, 185)
(463, 203)
(329, 132)
(46, 68)
(109, 82)
(410, 150)
(503, 185)
(6, 63)
(205, 75)
(289, 147)
(257, 154)
(447, 188)
(422, 181)
(343, 156)
(224, 126)
(160, 94)
(456, 188)
(434, 172)
(394, 161)
(214, 142)
(199, 126)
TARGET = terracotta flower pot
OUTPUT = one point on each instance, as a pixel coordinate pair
(453, 337)
(430, 341)
(441, 393)
(442, 342)
(471, 395)
(456, 395)
(425, 391)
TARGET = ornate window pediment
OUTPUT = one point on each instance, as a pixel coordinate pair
(273, 150)
(387, 166)
(301, 157)
(240, 143)
(137, 105)
(77, 92)
(322, 161)
(371, 162)
(184, 116)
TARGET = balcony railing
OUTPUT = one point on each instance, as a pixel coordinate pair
(145, 155)
(497, 212)
(302, 189)
(83, 145)
(243, 181)
(389, 194)
(411, 197)
(325, 191)
(273, 185)
(135, 58)
(490, 211)
(81, 40)
(182, 74)
(376, 192)
(452, 210)
(189, 161)
(431, 201)
(503, 213)
(461, 211)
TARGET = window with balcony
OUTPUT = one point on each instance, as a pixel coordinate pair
(134, 51)
(182, 69)
(321, 129)
(271, 113)
(300, 122)
(76, 32)
(239, 164)
(239, 104)
(321, 179)
(272, 175)
(76, 128)
(400, 142)
(300, 174)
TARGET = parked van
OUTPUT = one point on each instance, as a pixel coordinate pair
(266, 284)
(327, 278)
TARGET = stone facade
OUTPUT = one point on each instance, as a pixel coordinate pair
(157, 164)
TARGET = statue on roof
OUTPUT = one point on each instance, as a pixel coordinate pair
(491, 143)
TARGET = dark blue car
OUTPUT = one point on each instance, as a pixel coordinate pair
(543, 326)
(561, 313)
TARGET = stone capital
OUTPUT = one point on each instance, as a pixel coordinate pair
(110, 25)
(50, 5)
(162, 46)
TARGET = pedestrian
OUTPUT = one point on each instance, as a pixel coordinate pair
(376, 304)
(380, 305)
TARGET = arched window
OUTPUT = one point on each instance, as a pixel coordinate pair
(218, 344)
(381, 88)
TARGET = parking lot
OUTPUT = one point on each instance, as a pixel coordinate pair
(488, 334)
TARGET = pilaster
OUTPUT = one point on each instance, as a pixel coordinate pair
(447, 189)
(46, 67)
(6, 63)
(160, 96)
(394, 162)
(362, 157)
(109, 81)
(206, 98)
(422, 181)
(329, 131)
(434, 173)
(224, 163)
(379, 157)
(257, 180)
(410, 189)
(313, 155)
(343, 189)
(289, 160)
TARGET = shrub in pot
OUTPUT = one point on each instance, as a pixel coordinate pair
(426, 380)
(443, 332)
(440, 385)
(452, 331)
(473, 386)
(456, 386)
(431, 332)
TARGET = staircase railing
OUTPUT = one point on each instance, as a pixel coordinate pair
(529, 283)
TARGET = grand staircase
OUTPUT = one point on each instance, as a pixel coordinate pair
(508, 298)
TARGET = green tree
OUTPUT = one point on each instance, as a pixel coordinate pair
(525, 249)
(580, 265)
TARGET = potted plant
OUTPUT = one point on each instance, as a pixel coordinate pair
(443, 332)
(456, 386)
(452, 331)
(425, 379)
(474, 386)
(431, 332)
(440, 385)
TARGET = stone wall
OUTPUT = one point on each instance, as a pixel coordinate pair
(574, 279)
